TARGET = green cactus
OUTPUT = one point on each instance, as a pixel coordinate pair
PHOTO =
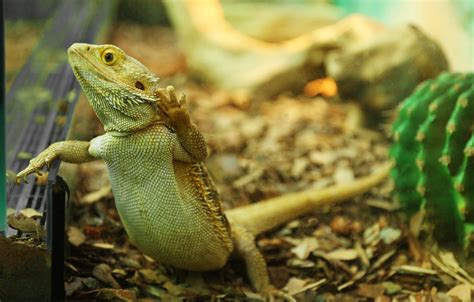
(434, 154)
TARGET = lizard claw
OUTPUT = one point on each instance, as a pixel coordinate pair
(182, 100)
(163, 99)
(38, 171)
(172, 96)
(45, 158)
(19, 179)
(22, 176)
(171, 107)
(48, 162)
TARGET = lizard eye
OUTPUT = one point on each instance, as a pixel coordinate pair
(108, 58)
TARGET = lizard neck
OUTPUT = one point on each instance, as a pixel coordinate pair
(136, 117)
(116, 133)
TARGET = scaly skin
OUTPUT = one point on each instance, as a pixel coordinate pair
(166, 199)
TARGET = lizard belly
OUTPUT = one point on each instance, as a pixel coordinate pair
(157, 219)
(159, 225)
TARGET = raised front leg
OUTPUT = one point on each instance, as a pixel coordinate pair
(188, 134)
(68, 151)
(244, 244)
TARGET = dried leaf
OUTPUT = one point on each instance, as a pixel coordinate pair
(382, 204)
(158, 293)
(118, 272)
(248, 178)
(103, 272)
(371, 234)
(71, 267)
(391, 288)
(449, 260)
(127, 261)
(293, 224)
(462, 292)
(75, 236)
(252, 128)
(149, 259)
(299, 166)
(135, 279)
(91, 283)
(150, 276)
(416, 223)
(383, 258)
(295, 285)
(301, 263)
(96, 196)
(117, 295)
(343, 175)
(305, 247)
(21, 223)
(30, 213)
(174, 289)
(322, 158)
(71, 287)
(103, 245)
(343, 254)
(458, 274)
(252, 296)
(370, 290)
(415, 270)
(362, 254)
(390, 235)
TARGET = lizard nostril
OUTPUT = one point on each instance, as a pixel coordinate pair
(88, 48)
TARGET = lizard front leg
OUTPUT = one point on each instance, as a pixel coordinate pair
(244, 244)
(188, 134)
(68, 151)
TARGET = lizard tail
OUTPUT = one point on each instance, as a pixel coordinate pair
(267, 214)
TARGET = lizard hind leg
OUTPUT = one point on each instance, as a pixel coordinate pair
(244, 244)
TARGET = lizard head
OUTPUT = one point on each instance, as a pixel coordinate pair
(119, 88)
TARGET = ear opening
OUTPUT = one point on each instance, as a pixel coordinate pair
(139, 85)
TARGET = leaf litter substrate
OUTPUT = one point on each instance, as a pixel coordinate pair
(360, 249)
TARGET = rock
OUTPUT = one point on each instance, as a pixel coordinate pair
(381, 71)
(258, 19)
(229, 59)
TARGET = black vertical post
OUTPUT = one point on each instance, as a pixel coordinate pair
(58, 195)
(3, 197)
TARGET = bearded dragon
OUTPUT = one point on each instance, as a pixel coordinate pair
(164, 195)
